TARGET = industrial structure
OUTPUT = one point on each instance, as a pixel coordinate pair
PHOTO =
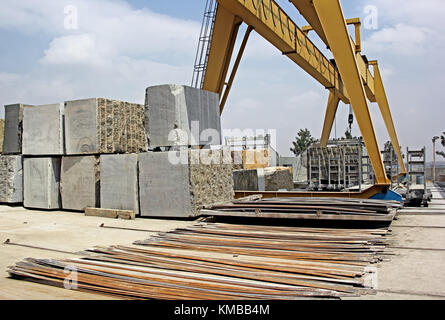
(348, 78)
(228, 217)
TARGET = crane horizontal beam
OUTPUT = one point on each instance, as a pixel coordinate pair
(273, 24)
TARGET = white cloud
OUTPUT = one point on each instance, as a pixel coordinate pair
(75, 50)
(401, 39)
(116, 52)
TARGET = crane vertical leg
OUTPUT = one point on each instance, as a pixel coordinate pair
(382, 101)
(235, 69)
(223, 41)
(329, 118)
(334, 25)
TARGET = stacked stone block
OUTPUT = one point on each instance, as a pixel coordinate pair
(170, 187)
(103, 126)
(12, 140)
(181, 116)
(42, 183)
(119, 182)
(263, 179)
(11, 179)
(43, 130)
(80, 182)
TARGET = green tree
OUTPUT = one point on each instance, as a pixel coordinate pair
(442, 141)
(302, 142)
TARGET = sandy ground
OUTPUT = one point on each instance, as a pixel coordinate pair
(414, 273)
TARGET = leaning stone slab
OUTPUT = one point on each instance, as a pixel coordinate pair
(80, 182)
(41, 178)
(103, 126)
(181, 116)
(12, 143)
(11, 179)
(170, 187)
(43, 130)
(119, 182)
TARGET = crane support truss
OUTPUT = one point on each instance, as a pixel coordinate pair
(349, 79)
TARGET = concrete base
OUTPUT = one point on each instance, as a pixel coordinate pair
(80, 183)
(181, 112)
(11, 179)
(12, 143)
(41, 183)
(43, 130)
(119, 182)
(96, 126)
(171, 189)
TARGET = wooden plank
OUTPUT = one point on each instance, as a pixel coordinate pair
(110, 213)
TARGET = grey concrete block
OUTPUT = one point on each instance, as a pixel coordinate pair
(171, 189)
(12, 143)
(94, 126)
(80, 182)
(43, 132)
(41, 178)
(173, 109)
(11, 179)
(119, 182)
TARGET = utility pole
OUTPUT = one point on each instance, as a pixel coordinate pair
(434, 158)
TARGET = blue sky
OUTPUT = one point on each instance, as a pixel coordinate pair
(121, 47)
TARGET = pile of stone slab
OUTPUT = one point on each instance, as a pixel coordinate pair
(101, 153)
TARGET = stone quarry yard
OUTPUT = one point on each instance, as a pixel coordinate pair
(414, 272)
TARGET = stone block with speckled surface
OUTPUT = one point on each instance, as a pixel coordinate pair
(11, 179)
(103, 126)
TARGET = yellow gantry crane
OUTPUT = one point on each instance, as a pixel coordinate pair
(348, 79)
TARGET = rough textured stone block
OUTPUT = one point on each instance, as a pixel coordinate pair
(278, 178)
(11, 179)
(171, 189)
(119, 182)
(184, 109)
(43, 130)
(263, 179)
(41, 178)
(94, 126)
(2, 133)
(245, 180)
(80, 182)
(12, 143)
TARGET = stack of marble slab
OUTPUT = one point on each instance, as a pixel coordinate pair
(99, 169)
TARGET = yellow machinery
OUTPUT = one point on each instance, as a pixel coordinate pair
(348, 79)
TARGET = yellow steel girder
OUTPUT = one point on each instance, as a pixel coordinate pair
(382, 101)
(274, 25)
(334, 25)
(329, 118)
(225, 31)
